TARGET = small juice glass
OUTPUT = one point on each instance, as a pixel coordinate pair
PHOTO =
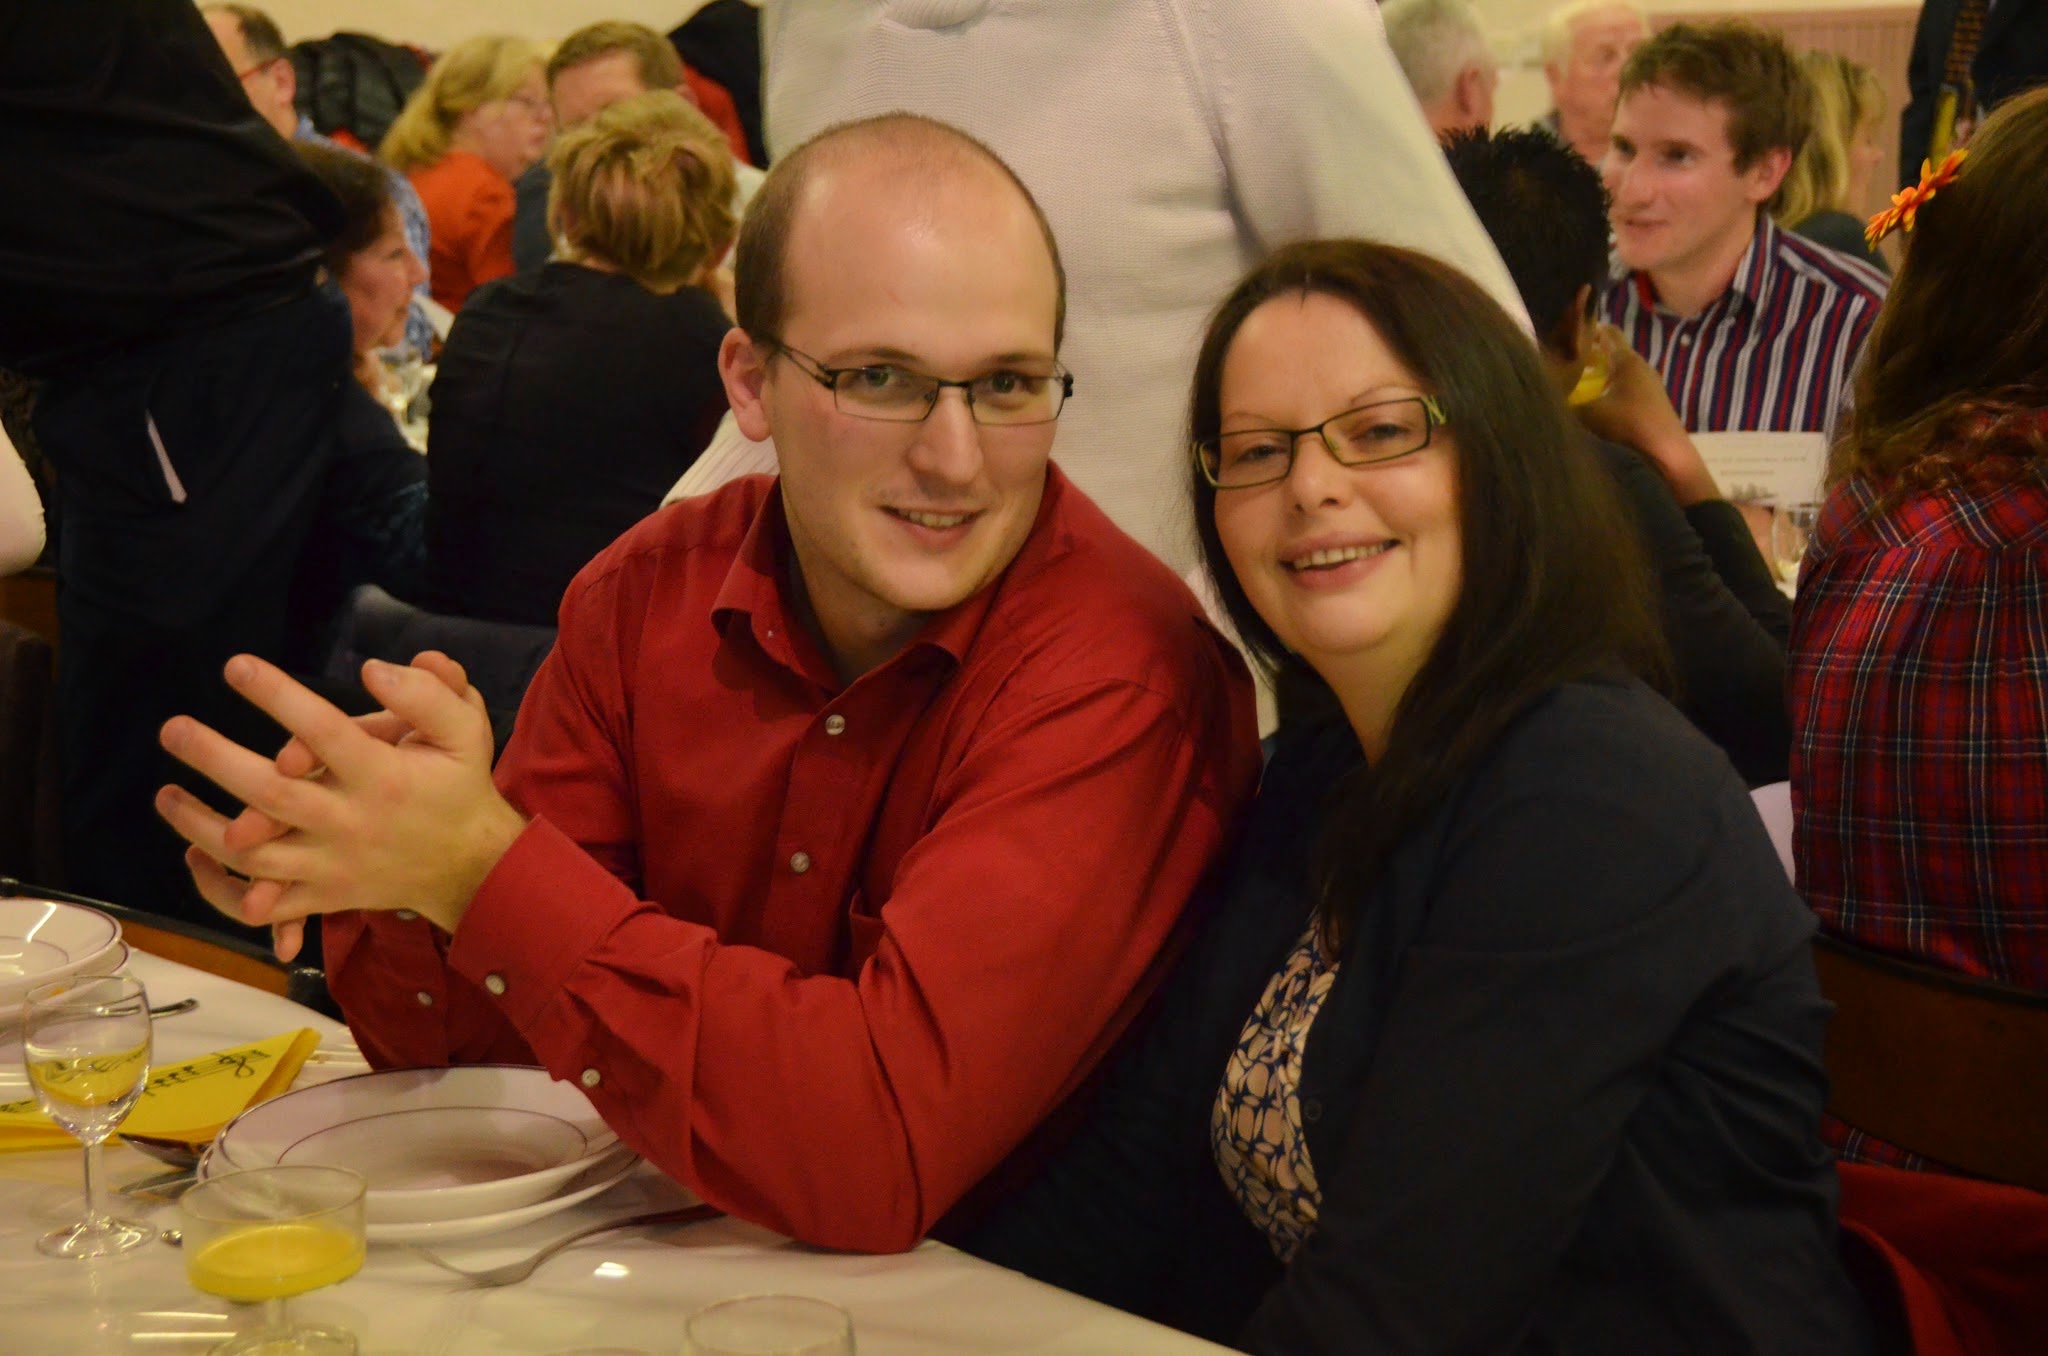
(264, 1235)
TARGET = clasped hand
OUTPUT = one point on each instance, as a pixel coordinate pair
(394, 810)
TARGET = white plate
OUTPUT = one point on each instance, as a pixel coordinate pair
(435, 1144)
(608, 1171)
(42, 940)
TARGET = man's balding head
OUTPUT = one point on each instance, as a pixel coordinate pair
(256, 53)
(918, 161)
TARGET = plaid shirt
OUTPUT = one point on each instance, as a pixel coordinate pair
(1771, 353)
(1918, 685)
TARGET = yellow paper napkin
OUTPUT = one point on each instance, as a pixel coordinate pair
(189, 1100)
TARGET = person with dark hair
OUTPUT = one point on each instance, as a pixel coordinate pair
(1750, 326)
(372, 528)
(1724, 618)
(1919, 659)
(1504, 1035)
(251, 42)
(853, 815)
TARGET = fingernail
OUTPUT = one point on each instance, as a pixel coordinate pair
(241, 669)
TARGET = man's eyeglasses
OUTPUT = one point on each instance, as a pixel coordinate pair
(897, 395)
(1378, 432)
(255, 66)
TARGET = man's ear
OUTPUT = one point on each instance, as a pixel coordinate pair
(1577, 330)
(1472, 94)
(288, 79)
(743, 367)
(1766, 172)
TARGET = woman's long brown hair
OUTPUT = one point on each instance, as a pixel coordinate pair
(1955, 374)
(1554, 586)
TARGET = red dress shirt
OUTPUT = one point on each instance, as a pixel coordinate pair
(828, 953)
(1918, 686)
(469, 213)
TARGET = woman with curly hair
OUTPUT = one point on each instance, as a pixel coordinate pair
(1918, 678)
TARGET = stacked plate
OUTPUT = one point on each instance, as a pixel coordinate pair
(448, 1153)
(42, 940)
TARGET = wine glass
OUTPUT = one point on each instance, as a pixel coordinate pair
(86, 1045)
(770, 1325)
(1791, 527)
(264, 1235)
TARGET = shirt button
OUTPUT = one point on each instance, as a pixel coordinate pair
(405, 915)
(799, 862)
(591, 1078)
(426, 1000)
(495, 983)
(835, 724)
(1311, 1110)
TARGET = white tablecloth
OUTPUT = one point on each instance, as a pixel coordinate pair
(614, 1295)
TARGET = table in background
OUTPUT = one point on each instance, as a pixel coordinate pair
(611, 1296)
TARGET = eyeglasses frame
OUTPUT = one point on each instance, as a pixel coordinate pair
(828, 377)
(1433, 419)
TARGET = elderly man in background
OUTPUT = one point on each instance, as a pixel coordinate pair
(255, 49)
(1585, 43)
(595, 67)
(848, 823)
(1449, 63)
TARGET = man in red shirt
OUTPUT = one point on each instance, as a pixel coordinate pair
(847, 824)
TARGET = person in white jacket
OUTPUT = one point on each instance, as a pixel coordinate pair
(1173, 144)
(21, 512)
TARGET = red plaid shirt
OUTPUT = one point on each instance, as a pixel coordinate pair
(1918, 683)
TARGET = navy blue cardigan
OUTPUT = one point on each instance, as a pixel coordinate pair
(1563, 1097)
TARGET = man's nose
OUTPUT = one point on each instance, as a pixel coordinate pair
(948, 444)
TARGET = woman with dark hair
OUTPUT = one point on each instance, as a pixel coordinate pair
(1918, 674)
(372, 523)
(1504, 1036)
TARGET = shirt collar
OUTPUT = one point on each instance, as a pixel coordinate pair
(756, 587)
(1754, 273)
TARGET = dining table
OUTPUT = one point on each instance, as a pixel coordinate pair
(616, 1293)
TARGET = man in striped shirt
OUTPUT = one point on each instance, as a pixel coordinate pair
(1751, 327)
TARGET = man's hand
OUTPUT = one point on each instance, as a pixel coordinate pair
(395, 813)
(1636, 412)
(288, 936)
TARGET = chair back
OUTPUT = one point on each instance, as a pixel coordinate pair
(1944, 1065)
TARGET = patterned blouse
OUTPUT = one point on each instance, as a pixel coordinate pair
(1255, 1129)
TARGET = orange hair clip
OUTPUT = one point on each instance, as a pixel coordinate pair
(1907, 202)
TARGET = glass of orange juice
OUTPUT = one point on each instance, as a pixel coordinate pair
(264, 1235)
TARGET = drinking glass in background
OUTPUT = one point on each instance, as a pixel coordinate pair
(1791, 528)
(264, 1235)
(86, 1045)
(769, 1325)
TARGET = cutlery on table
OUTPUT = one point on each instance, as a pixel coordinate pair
(173, 1009)
(512, 1272)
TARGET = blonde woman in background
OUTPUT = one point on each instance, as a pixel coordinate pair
(1824, 192)
(571, 396)
(480, 119)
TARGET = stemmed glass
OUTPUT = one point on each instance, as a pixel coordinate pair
(770, 1325)
(1791, 527)
(86, 1045)
(264, 1235)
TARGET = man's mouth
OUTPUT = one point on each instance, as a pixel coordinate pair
(938, 522)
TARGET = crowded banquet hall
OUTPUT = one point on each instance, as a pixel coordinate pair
(1528, 518)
